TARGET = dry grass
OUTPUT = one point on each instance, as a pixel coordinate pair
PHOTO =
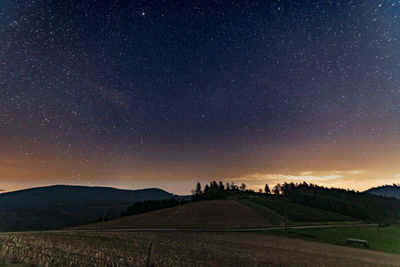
(181, 249)
(204, 214)
(72, 250)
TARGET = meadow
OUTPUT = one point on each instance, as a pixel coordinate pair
(200, 214)
(244, 212)
(292, 213)
(385, 239)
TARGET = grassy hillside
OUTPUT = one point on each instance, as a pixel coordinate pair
(237, 212)
(294, 212)
(274, 217)
(201, 214)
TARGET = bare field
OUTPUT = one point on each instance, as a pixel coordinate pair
(180, 249)
(202, 214)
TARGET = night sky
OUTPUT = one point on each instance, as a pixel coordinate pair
(136, 94)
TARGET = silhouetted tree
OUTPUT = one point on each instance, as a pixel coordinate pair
(221, 186)
(233, 186)
(214, 186)
(243, 187)
(266, 189)
(277, 189)
(206, 189)
(198, 191)
(227, 187)
(286, 189)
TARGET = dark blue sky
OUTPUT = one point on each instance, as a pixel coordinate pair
(145, 88)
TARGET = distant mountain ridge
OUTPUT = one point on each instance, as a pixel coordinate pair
(386, 191)
(71, 195)
(58, 206)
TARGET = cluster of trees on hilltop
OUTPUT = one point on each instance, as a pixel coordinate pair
(218, 190)
(388, 185)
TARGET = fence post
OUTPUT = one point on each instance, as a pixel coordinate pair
(148, 261)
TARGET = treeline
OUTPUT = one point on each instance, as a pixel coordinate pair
(387, 185)
(349, 202)
(363, 206)
(218, 190)
(152, 205)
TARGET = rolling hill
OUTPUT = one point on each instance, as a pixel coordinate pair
(63, 205)
(201, 214)
(386, 191)
(68, 195)
(229, 213)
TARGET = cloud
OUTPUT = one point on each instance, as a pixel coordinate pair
(357, 179)
(304, 176)
(355, 172)
(328, 176)
(312, 177)
(349, 171)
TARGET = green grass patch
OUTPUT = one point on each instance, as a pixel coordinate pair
(385, 239)
(272, 216)
(301, 213)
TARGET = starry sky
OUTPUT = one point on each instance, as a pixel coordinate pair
(135, 94)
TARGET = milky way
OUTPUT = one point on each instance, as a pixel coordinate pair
(143, 93)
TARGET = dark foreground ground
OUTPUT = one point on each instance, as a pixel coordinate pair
(180, 249)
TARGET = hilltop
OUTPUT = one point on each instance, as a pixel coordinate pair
(58, 206)
(70, 195)
(235, 212)
(386, 191)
